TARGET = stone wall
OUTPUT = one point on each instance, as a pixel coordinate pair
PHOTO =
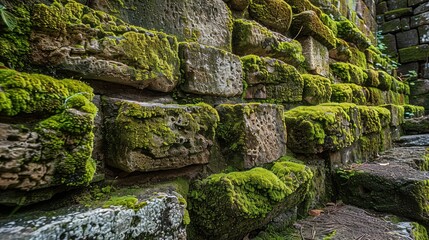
(404, 29)
(215, 116)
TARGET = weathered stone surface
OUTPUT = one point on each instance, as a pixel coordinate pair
(307, 23)
(421, 9)
(415, 2)
(274, 14)
(424, 34)
(416, 126)
(419, 20)
(53, 150)
(246, 200)
(414, 53)
(407, 38)
(420, 86)
(359, 223)
(105, 48)
(317, 89)
(349, 32)
(271, 79)
(348, 92)
(407, 67)
(210, 71)
(391, 26)
(238, 5)
(189, 20)
(395, 4)
(251, 134)
(396, 113)
(382, 7)
(397, 13)
(420, 140)
(390, 187)
(149, 136)
(250, 37)
(405, 24)
(316, 56)
(161, 217)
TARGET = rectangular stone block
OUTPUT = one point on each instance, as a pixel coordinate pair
(407, 38)
(210, 71)
(151, 136)
(405, 24)
(251, 134)
(421, 9)
(391, 26)
(414, 53)
(395, 4)
(419, 20)
(316, 56)
(415, 2)
(424, 34)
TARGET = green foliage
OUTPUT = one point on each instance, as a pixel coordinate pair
(128, 201)
(8, 18)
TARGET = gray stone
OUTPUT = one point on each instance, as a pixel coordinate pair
(382, 8)
(405, 24)
(390, 41)
(398, 13)
(421, 9)
(161, 217)
(407, 38)
(420, 87)
(405, 68)
(419, 20)
(316, 56)
(151, 136)
(252, 134)
(415, 140)
(415, 2)
(189, 20)
(424, 34)
(391, 26)
(210, 71)
(395, 4)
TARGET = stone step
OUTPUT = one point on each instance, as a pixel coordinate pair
(390, 187)
(414, 140)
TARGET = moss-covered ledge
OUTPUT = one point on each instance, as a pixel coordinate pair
(229, 205)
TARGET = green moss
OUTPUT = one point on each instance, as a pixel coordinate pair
(419, 232)
(14, 44)
(385, 80)
(128, 201)
(308, 24)
(348, 92)
(413, 53)
(349, 32)
(275, 14)
(341, 52)
(358, 58)
(373, 78)
(317, 89)
(290, 52)
(396, 13)
(414, 111)
(348, 73)
(299, 6)
(374, 118)
(329, 22)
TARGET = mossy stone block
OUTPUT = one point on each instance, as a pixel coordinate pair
(414, 53)
(349, 32)
(315, 129)
(316, 56)
(348, 73)
(54, 149)
(317, 89)
(251, 134)
(396, 113)
(149, 136)
(249, 37)
(299, 6)
(307, 23)
(397, 13)
(245, 200)
(274, 14)
(210, 71)
(393, 188)
(349, 92)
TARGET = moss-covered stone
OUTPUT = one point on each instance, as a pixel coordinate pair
(414, 53)
(373, 78)
(348, 73)
(329, 22)
(149, 137)
(413, 111)
(397, 114)
(317, 89)
(275, 14)
(358, 58)
(349, 32)
(250, 37)
(251, 134)
(307, 23)
(245, 200)
(299, 6)
(341, 52)
(374, 118)
(348, 92)
(385, 80)
(397, 13)
(315, 129)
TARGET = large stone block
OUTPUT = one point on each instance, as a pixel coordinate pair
(348, 92)
(317, 89)
(251, 134)
(420, 87)
(149, 137)
(94, 45)
(421, 9)
(210, 71)
(395, 4)
(415, 2)
(397, 13)
(419, 20)
(316, 56)
(394, 188)
(391, 26)
(52, 149)
(271, 79)
(407, 38)
(245, 201)
(250, 37)
(424, 34)
(155, 215)
(189, 20)
(414, 53)
(275, 14)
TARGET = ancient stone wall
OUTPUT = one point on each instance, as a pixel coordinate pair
(195, 119)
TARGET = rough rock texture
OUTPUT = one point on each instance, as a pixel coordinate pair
(94, 45)
(250, 37)
(151, 136)
(251, 134)
(416, 125)
(316, 56)
(274, 14)
(414, 140)
(229, 205)
(189, 20)
(391, 187)
(271, 79)
(317, 89)
(161, 217)
(210, 71)
(54, 148)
